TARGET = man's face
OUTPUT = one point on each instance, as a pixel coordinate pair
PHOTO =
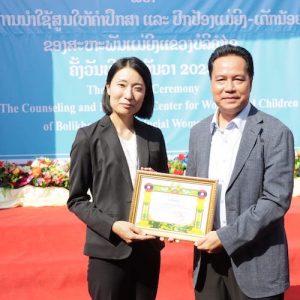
(230, 85)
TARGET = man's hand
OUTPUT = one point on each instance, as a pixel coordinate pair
(210, 243)
(129, 233)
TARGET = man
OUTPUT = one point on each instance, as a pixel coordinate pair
(252, 156)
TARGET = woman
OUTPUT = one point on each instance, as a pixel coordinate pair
(123, 262)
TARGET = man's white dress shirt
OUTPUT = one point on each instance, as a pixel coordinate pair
(224, 147)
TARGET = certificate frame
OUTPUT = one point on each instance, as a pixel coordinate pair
(173, 206)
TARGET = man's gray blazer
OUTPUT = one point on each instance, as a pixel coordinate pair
(257, 198)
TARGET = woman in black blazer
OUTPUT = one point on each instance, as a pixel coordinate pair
(123, 262)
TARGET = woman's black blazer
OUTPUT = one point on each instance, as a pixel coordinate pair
(98, 164)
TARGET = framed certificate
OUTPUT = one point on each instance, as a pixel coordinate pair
(176, 206)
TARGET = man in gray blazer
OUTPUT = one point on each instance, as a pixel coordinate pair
(251, 154)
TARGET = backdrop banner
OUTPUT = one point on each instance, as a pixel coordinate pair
(54, 58)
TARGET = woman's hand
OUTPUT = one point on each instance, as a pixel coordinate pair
(130, 233)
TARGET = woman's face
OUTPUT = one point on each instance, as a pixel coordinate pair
(127, 91)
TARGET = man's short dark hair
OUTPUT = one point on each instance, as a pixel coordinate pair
(232, 50)
(140, 67)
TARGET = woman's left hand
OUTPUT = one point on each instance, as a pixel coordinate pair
(129, 232)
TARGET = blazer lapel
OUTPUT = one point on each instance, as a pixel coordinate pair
(111, 137)
(249, 137)
(142, 145)
(204, 150)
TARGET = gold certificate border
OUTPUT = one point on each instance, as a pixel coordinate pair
(168, 183)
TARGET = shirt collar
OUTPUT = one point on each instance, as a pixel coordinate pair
(239, 121)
